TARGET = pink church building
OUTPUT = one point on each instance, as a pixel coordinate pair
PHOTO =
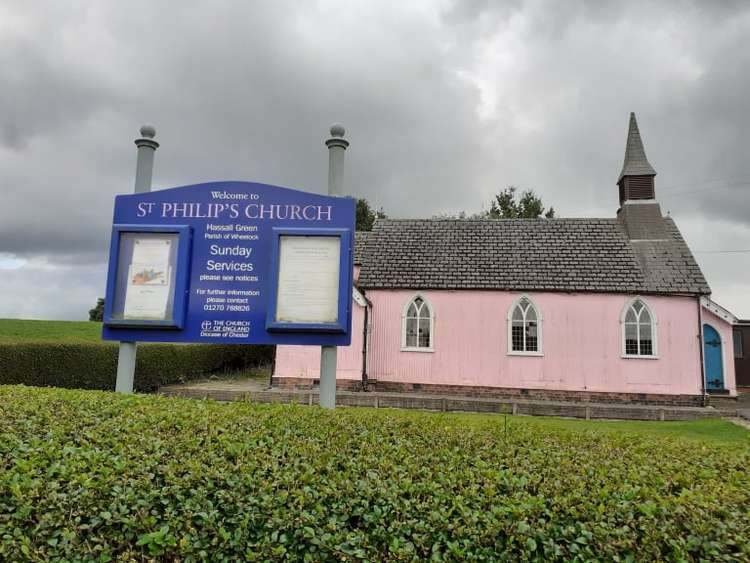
(604, 309)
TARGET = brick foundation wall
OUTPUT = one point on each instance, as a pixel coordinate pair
(722, 402)
(498, 392)
(304, 384)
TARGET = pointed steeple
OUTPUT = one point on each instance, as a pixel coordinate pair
(636, 163)
(636, 180)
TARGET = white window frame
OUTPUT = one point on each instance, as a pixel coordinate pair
(539, 331)
(654, 331)
(404, 311)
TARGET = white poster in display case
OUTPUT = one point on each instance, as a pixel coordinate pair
(149, 279)
(308, 282)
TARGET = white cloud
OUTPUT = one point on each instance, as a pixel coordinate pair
(11, 262)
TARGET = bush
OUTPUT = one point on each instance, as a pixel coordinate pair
(89, 476)
(86, 365)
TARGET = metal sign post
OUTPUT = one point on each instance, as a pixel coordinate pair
(144, 170)
(336, 148)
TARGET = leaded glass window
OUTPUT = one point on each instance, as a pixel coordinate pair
(418, 324)
(524, 327)
(638, 330)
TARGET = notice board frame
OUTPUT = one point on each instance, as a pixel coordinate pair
(181, 276)
(250, 211)
(346, 266)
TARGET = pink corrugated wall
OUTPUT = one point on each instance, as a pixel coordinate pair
(304, 361)
(581, 342)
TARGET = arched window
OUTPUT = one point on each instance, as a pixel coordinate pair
(638, 329)
(417, 325)
(524, 328)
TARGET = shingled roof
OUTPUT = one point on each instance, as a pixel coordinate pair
(360, 241)
(594, 255)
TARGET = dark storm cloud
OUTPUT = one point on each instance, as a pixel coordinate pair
(444, 105)
(38, 97)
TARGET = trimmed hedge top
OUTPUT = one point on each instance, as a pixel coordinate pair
(97, 476)
(72, 354)
(94, 365)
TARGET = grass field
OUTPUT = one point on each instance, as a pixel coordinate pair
(21, 330)
(711, 431)
(97, 476)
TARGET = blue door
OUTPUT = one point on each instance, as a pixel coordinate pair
(714, 362)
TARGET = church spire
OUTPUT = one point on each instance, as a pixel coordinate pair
(636, 180)
(636, 163)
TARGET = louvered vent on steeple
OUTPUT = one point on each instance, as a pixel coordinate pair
(636, 180)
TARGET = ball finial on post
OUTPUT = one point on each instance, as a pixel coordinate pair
(337, 137)
(337, 130)
(148, 131)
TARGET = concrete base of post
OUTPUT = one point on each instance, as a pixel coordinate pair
(125, 367)
(328, 377)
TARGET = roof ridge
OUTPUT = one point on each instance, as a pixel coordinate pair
(500, 220)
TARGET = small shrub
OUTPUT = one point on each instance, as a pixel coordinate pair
(91, 476)
(87, 365)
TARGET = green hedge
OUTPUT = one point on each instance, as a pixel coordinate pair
(94, 365)
(91, 476)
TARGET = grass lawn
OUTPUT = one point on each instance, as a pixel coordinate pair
(710, 431)
(21, 330)
(97, 476)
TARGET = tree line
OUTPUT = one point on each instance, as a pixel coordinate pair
(510, 203)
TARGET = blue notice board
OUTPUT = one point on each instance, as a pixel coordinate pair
(231, 263)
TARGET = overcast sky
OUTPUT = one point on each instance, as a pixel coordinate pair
(444, 103)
